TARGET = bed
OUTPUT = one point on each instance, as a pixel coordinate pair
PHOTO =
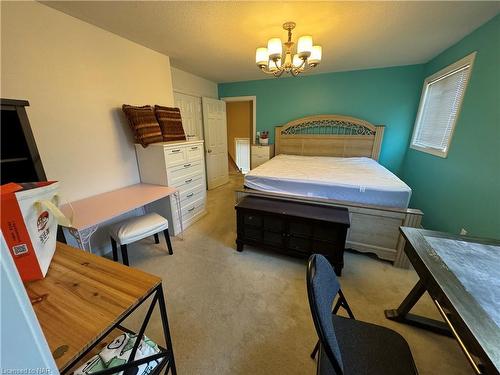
(333, 160)
(358, 179)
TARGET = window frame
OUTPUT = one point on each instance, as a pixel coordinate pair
(467, 60)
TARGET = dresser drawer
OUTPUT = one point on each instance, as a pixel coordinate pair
(263, 151)
(191, 209)
(187, 182)
(262, 158)
(183, 172)
(175, 156)
(192, 193)
(194, 153)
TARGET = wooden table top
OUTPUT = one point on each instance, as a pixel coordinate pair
(102, 207)
(81, 297)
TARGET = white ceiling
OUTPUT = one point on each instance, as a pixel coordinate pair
(217, 40)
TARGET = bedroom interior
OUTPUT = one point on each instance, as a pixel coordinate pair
(232, 188)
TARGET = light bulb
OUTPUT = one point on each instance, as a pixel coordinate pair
(304, 46)
(315, 57)
(261, 56)
(274, 48)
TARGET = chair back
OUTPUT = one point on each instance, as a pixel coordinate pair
(322, 288)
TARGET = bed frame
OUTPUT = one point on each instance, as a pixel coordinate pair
(374, 229)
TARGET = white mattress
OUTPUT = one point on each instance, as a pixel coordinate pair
(358, 180)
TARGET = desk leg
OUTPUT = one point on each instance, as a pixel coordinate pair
(179, 212)
(402, 315)
(83, 237)
(166, 329)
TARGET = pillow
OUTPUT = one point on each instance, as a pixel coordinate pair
(143, 123)
(170, 123)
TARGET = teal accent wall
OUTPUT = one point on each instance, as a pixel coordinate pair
(387, 96)
(463, 190)
(460, 191)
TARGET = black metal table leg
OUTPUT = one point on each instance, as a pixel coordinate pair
(167, 240)
(166, 329)
(124, 254)
(115, 249)
(166, 355)
(402, 315)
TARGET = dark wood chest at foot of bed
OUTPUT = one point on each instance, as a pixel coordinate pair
(298, 229)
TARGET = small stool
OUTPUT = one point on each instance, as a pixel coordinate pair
(135, 229)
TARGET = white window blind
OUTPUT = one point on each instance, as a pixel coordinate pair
(439, 108)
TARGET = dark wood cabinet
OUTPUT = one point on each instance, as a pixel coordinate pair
(20, 161)
(298, 229)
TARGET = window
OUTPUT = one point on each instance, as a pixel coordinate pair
(439, 108)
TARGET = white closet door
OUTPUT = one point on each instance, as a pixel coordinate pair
(215, 127)
(190, 107)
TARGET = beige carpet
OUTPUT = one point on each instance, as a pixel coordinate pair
(247, 313)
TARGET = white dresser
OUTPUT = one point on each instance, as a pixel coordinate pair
(178, 164)
(260, 154)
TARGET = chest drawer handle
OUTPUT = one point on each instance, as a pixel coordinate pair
(189, 195)
(188, 180)
(191, 209)
(178, 150)
(194, 148)
(187, 165)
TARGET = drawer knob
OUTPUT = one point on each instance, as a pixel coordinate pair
(189, 195)
(209, 151)
(191, 209)
(178, 150)
(187, 165)
(194, 148)
(188, 180)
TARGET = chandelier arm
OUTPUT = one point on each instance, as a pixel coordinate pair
(279, 73)
(303, 65)
(310, 67)
(266, 71)
(276, 64)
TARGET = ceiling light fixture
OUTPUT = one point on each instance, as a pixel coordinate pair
(271, 60)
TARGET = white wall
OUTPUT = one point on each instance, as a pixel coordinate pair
(191, 84)
(76, 77)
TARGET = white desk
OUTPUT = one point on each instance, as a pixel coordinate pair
(89, 212)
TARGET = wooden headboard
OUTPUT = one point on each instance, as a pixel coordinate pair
(329, 135)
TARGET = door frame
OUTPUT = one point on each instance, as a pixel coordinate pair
(252, 99)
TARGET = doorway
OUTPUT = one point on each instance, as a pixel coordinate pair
(240, 132)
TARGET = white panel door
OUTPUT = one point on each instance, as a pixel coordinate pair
(190, 107)
(215, 128)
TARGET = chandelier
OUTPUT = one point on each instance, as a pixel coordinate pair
(272, 60)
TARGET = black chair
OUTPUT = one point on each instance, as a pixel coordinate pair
(348, 346)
